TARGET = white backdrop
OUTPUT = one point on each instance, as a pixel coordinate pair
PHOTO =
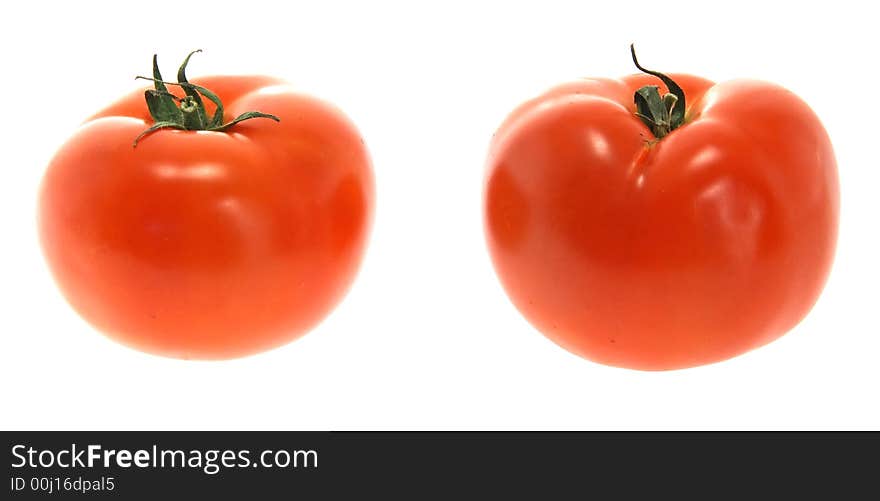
(427, 339)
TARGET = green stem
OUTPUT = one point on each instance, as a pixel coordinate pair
(662, 114)
(171, 112)
(193, 114)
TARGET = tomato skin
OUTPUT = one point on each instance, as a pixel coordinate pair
(667, 254)
(209, 245)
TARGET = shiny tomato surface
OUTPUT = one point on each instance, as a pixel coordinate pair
(662, 254)
(203, 244)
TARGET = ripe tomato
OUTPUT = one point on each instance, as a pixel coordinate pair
(212, 243)
(639, 231)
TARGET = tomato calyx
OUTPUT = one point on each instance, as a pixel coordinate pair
(188, 113)
(662, 114)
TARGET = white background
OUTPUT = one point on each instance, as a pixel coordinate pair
(427, 339)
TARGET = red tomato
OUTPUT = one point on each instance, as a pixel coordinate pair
(209, 244)
(662, 253)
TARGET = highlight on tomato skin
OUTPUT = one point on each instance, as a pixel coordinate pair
(210, 219)
(660, 222)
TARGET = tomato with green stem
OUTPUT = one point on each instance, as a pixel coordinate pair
(660, 222)
(181, 222)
